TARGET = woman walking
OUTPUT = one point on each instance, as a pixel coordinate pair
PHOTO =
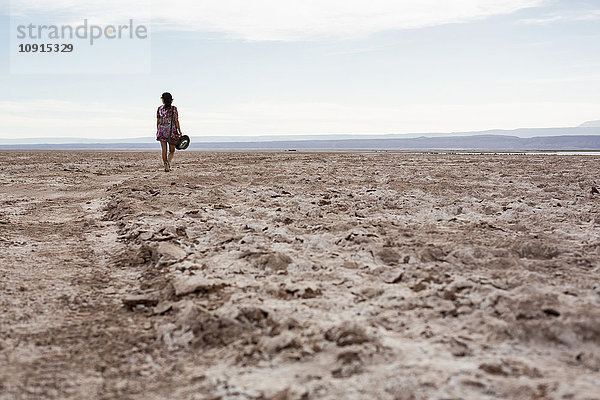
(168, 130)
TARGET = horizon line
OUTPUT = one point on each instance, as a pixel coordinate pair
(307, 136)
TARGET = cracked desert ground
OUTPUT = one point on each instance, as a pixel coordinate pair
(299, 275)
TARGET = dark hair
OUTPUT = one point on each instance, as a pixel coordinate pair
(166, 96)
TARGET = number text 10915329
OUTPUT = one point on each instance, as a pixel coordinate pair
(45, 48)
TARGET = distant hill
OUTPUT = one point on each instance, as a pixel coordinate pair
(150, 140)
(472, 143)
(582, 138)
(590, 124)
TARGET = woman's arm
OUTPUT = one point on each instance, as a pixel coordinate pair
(157, 117)
(176, 114)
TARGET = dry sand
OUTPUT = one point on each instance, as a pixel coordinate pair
(299, 276)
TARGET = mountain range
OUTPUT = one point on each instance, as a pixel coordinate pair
(586, 137)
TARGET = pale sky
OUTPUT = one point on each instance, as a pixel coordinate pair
(278, 67)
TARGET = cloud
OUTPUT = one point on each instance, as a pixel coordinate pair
(105, 9)
(94, 120)
(541, 21)
(53, 118)
(578, 16)
(286, 20)
(569, 79)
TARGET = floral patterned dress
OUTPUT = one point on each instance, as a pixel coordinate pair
(167, 124)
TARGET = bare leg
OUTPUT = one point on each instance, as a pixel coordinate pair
(164, 151)
(171, 153)
(163, 145)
